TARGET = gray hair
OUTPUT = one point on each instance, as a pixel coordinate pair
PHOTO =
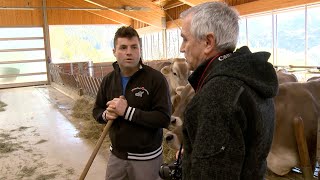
(216, 17)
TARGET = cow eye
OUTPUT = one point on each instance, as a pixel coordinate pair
(174, 73)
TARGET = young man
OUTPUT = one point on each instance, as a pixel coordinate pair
(136, 98)
(229, 123)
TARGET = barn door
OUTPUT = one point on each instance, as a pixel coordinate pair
(22, 57)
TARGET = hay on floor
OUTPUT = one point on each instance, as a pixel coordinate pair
(89, 128)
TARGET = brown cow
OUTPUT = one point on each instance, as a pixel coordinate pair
(180, 101)
(174, 138)
(294, 100)
(176, 74)
(182, 98)
(175, 70)
(284, 76)
(158, 64)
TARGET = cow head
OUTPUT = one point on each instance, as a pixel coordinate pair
(176, 73)
(284, 76)
(174, 138)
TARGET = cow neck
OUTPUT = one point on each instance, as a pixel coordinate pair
(203, 77)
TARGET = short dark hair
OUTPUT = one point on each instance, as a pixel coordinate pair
(125, 32)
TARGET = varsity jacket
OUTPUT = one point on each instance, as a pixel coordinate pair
(138, 134)
(229, 123)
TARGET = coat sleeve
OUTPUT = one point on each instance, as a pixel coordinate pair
(100, 103)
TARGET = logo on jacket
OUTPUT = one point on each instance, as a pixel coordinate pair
(141, 91)
(139, 94)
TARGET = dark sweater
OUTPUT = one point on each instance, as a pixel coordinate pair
(229, 123)
(138, 134)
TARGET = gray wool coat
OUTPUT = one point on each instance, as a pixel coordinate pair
(229, 123)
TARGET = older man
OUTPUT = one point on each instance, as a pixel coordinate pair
(228, 125)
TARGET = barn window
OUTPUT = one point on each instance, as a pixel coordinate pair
(291, 37)
(152, 46)
(260, 37)
(174, 41)
(78, 43)
(313, 36)
(242, 40)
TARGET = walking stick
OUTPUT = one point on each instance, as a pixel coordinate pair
(96, 149)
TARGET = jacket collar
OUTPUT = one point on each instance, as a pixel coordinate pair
(195, 77)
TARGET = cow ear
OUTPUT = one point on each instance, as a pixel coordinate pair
(165, 70)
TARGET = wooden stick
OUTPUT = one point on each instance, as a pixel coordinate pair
(96, 149)
(318, 146)
(303, 149)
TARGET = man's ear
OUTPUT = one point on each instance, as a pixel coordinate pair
(210, 43)
(114, 51)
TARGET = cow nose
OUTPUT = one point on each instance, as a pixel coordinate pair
(173, 120)
(169, 137)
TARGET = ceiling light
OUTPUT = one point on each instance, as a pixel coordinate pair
(17, 8)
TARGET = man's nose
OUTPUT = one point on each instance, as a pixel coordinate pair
(129, 51)
(182, 48)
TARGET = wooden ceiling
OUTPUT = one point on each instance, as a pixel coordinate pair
(158, 14)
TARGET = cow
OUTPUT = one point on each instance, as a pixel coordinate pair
(158, 64)
(174, 136)
(177, 74)
(181, 99)
(294, 100)
(284, 76)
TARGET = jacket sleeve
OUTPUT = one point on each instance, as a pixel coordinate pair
(100, 103)
(160, 112)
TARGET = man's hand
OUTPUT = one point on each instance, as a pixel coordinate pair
(110, 114)
(117, 106)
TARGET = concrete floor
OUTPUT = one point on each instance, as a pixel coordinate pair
(37, 141)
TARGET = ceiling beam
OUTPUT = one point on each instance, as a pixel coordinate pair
(172, 4)
(195, 2)
(103, 13)
(258, 6)
(152, 19)
(269, 5)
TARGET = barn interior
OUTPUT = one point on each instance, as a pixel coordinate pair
(54, 54)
